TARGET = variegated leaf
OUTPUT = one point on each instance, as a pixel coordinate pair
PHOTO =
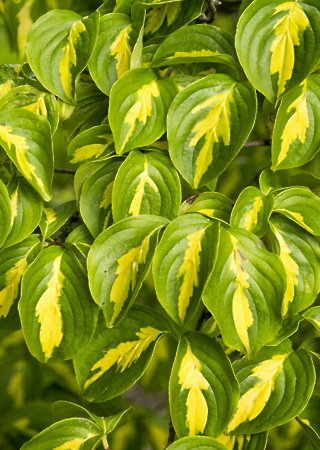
(277, 44)
(5, 212)
(203, 390)
(275, 386)
(309, 420)
(139, 103)
(53, 218)
(182, 264)
(81, 239)
(300, 205)
(252, 211)
(91, 145)
(96, 196)
(208, 122)
(211, 204)
(197, 443)
(58, 48)
(118, 356)
(313, 316)
(119, 261)
(58, 315)
(244, 441)
(26, 138)
(245, 291)
(146, 183)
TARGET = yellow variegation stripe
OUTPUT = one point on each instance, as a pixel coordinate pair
(127, 269)
(242, 314)
(156, 17)
(16, 383)
(292, 272)
(214, 126)
(190, 377)
(208, 212)
(107, 196)
(5, 87)
(142, 109)
(10, 292)
(91, 150)
(14, 204)
(287, 30)
(298, 217)
(297, 125)
(121, 49)
(252, 403)
(189, 270)
(193, 53)
(251, 217)
(38, 107)
(74, 444)
(124, 354)
(69, 57)
(25, 22)
(21, 150)
(135, 205)
(48, 311)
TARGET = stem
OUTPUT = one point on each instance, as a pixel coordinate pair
(255, 144)
(70, 171)
(171, 435)
(105, 443)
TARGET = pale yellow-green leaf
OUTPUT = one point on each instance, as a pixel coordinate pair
(135, 205)
(121, 49)
(10, 292)
(5, 87)
(156, 17)
(25, 22)
(92, 150)
(251, 217)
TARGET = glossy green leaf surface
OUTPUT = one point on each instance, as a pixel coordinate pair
(81, 239)
(53, 218)
(5, 213)
(211, 204)
(197, 442)
(309, 420)
(244, 441)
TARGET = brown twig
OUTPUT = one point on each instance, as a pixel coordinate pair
(256, 144)
(171, 434)
(69, 171)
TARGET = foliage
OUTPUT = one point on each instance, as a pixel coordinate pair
(195, 216)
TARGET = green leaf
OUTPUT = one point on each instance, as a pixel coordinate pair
(13, 263)
(244, 441)
(81, 239)
(272, 181)
(312, 346)
(245, 291)
(119, 261)
(275, 386)
(58, 48)
(26, 210)
(309, 420)
(277, 44)
(296, 138)
(208, 122)
(203, 389)
(67, 434)
(313, 316)
(289, 326)
(53, 218)
(26, 138)
(197, 43)
(96, 196)
(57, 313)
(300, 253)
(197, 442)
(117, 357)
(29, 98)
(112, 54)
(83, 173)
(139, 103)
(252, 211)
(182, 263)
(211, 204)
(301, 206)
(5, 212)
(91, 145)
(146, 183)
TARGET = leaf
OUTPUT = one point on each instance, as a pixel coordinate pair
(67, 434)
(57, 313)
(146, 183)
(211, 204)
(13, 263)
(58, 48)
(117, 357)
(312, 346)
(93, 144)
(245, 291)
(300, 253)
(301, 206)
(197, 43)
(83, 173)
(252, 210)
(53, 218)
(275, 386)
(208, 122)
(96, 196)
(197, 442)
(81, 239)
(26, 138)
(182, 264)
(26, 210)
(112, 54)
(203, 390)
(119, 261)
(296, 138)
(309, 420)
(276, 44)
(313, 316)
(244, 441)
(5, 212)
(139, 103)
(290, 325)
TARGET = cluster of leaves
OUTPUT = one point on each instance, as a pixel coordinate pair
(152, 109)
